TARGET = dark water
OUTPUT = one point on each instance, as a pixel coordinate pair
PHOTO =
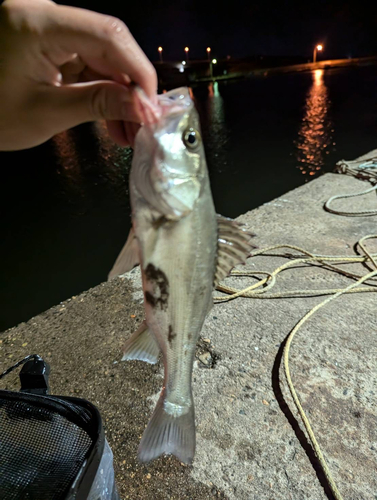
(64, 205)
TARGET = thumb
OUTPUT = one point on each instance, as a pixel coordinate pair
(70, 105)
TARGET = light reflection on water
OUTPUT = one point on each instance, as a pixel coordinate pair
(69, 169)
(66, 153)
(214, 126)
(118, 159)
(81, 155)
(315, 134)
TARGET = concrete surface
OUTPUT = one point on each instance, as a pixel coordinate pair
(249, 444)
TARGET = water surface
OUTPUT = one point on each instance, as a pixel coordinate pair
(64, 205)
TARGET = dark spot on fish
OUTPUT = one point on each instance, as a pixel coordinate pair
(171, 335)
(150, 299)
(157, 223)
(161, 287)
(155, 274)
(189, 336)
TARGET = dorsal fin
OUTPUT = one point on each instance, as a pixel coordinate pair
(233, 247)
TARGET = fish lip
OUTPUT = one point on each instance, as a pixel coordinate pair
(166, 107)
(179, 94)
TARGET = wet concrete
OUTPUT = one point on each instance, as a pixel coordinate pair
(249, 442)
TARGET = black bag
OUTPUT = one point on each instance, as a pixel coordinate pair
(51, 447)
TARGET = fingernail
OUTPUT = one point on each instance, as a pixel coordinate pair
(59, 80)
(157, 113)
(149, 118)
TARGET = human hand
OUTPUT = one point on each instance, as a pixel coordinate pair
(61, 66)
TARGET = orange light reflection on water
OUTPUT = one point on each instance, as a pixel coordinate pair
(69, 168)
(68, 160)
(315, 132)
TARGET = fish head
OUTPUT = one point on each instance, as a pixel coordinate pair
(169, 164)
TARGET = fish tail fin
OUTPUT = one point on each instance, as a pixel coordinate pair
(167, 433)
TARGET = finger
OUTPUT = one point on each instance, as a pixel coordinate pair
(104, 43)
(89, 75)
(135, 129)
(123, 133)
(149, 110)
(69, 105)
(117, 132)
(129, 133)
(72, 70)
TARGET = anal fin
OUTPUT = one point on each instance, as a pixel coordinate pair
(141, 345)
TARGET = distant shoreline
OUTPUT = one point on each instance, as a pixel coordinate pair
(190, 72)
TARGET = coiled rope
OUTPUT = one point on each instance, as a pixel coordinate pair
(262, 288)
(366, 171)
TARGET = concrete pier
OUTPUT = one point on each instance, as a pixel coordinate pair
(250, 441)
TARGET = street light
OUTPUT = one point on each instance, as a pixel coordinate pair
(209, 53)
(187, 51)
(160, 49)
(316, 48)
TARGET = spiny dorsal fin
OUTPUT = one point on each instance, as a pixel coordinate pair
(233, 247)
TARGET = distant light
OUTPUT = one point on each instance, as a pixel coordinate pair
(160, 49)
(208, 49)
(214, 61)
(184, 63)
(181, 69)
(186, 49)
(319, 47)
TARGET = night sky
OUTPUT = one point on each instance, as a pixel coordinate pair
(243, 28)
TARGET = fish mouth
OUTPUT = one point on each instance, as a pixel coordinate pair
(174, 100)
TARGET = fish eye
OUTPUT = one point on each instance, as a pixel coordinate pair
(191, 138)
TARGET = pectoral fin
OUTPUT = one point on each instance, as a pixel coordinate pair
(141, 345)
(233, 247)
(128, 257)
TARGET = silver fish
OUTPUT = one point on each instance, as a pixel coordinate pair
(184, 249)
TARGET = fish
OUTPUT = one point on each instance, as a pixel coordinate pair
(184, 249)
